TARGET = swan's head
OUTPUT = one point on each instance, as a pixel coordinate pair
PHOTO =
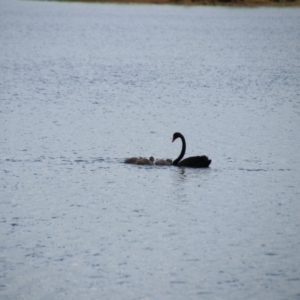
(176, 135)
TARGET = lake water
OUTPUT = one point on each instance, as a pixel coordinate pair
(83, 86)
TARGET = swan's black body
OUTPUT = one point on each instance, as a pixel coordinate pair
(192, 162)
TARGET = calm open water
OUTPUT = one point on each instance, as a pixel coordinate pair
(84, 86)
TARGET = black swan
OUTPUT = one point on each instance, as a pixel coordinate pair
(192, 162)
(145, 161)
(162, 162)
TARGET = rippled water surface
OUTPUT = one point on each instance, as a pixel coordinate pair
(84, 86)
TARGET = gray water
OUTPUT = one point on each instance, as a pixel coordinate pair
(84, 86)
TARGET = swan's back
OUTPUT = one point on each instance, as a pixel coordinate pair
(195, 162)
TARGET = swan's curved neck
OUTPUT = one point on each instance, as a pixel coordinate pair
(179, 158)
